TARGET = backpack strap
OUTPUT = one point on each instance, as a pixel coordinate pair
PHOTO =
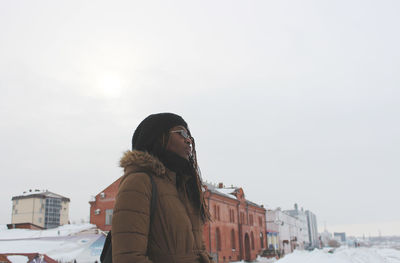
(154, 196)
(106, 253)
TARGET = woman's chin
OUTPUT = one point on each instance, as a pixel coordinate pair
(184, 156)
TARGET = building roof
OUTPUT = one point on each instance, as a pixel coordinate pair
(39, 194)
(254, 204)
(228, 192)
(24, 257)
(23, 225)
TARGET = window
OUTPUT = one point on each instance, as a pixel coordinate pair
(260, 221)
(40, 220)
(109, 213)
(218, 239)
(251, 219)
(242, 217)
(231, 215)
(233, 243)
(252, 240)
(16, 211)
(261, 240)
(215, 212)
(52, 212)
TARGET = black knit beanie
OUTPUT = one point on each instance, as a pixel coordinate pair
(149, 132)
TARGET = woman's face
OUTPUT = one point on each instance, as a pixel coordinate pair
(180, 142)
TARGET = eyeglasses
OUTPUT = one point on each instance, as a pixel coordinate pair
(184, 134)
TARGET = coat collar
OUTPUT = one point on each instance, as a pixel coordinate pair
(139, 161)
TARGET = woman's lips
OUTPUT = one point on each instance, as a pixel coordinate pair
(188, 151)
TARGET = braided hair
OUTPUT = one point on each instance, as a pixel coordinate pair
(204, 211)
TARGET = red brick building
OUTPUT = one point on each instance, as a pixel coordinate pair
(25, 226)
(31, 257)
(237, 230)
(101, 207)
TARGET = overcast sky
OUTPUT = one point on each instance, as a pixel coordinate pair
(295, 101)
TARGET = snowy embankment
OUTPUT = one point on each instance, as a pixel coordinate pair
(65, 230)
(341, 255)
(65, 243)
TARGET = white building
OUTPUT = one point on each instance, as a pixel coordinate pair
(289, 230)
(312, 229)
(303, 239)
(272, 227)
(41, 208)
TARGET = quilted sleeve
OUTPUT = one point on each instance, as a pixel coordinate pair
(131, 218)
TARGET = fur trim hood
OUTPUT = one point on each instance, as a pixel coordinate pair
(142, 161)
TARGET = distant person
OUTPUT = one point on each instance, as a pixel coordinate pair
(164, 155)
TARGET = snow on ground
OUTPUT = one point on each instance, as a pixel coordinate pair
(391, 255)
(67, 243)
(341, 255)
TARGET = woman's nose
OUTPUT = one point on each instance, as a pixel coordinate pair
(188, 140)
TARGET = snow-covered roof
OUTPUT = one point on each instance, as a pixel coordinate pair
(253, 204)
(18, 259)
(64, 230)
(39, 193)
(227, 192)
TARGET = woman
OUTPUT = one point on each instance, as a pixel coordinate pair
(163, 151)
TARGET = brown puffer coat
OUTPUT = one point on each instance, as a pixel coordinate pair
(176, 230)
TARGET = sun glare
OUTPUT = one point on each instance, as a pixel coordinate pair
(110, 85)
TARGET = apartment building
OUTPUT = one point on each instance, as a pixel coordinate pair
(41, 208)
